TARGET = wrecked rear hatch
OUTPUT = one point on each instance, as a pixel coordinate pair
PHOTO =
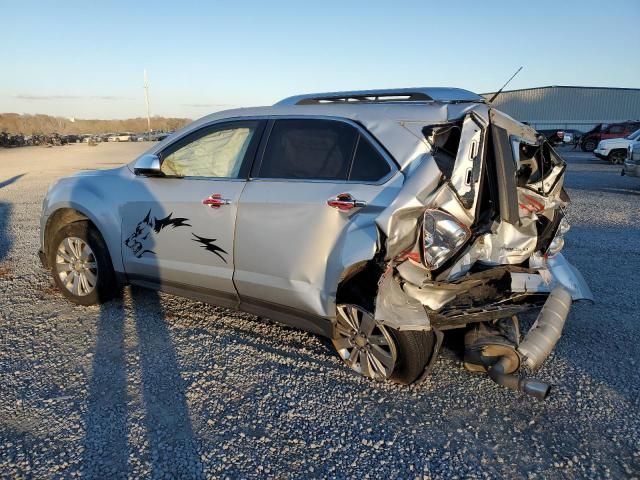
(469, 236)
(474, 239)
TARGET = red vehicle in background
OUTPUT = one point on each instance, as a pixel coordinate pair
(590, 140)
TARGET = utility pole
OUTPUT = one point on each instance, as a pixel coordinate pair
(146, 99)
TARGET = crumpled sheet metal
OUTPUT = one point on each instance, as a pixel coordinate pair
(515, 128)
(508, 244)
(556, 270)
(399, 221)
(396, 309)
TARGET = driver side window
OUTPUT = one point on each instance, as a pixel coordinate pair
(214, 152)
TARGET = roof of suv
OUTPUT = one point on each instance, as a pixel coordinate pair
(389, 115)
(409, 104)
(394, 95)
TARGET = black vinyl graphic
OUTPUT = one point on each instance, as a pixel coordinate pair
(209, 245)
(137, 241)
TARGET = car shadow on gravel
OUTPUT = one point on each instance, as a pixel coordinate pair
(6, 240)
(105, 444)
(11, 180)
(169, 447)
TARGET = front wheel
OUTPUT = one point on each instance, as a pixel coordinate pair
(81, 265)
(617, 156)
(379, 352)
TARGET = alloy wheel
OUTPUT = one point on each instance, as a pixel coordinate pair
(365, 346)
(76, 266)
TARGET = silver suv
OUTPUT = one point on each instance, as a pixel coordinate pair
(379, 219)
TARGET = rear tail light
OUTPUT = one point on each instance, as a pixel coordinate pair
(558, 241)
(442, 237)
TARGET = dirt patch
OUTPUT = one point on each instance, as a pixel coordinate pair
(49, 290)
(5, 271)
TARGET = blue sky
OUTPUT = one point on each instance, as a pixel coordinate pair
(86, 58)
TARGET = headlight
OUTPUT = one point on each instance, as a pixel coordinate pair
(442, 236)
(558, 241)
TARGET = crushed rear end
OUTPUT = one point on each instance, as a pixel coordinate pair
(474, 239)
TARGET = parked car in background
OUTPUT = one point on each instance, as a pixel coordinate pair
(553, 135)
(71, 138)
(377, 218)
(159, 136)
(123, 137)
(591, 139)
(615, 149)
(631, 165)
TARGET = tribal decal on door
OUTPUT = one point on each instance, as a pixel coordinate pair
(209, 245)
(140, 241)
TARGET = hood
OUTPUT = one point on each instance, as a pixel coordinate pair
(615, 141)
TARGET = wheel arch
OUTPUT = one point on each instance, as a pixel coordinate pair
(67, 214)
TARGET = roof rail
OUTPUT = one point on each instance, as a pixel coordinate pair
(422, 94)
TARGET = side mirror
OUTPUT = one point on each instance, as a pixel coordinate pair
(148, 165)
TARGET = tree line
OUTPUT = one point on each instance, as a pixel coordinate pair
(46, 124)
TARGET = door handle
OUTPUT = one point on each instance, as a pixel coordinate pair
(216, 201)
(345, 202)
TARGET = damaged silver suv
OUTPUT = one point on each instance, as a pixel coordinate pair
(379, 219)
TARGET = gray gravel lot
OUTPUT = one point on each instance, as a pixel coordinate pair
(164, 387)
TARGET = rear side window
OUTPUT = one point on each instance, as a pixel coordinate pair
(309, 149)
(368, 164)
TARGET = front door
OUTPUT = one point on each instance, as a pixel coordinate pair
(178, 229)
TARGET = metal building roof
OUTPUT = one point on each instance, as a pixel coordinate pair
(570, 104)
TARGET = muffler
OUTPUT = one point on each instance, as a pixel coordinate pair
(547, 329)
(493, 350)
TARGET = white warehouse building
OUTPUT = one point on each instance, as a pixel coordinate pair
(563, 107)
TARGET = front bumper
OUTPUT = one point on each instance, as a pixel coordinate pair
(601, 153)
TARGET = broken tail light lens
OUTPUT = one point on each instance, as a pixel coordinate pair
(442, 236)
(558, 241)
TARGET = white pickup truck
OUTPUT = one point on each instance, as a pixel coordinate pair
(615, 149)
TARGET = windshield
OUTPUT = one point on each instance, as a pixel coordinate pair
(635, 135)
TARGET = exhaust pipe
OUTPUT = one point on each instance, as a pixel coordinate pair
(534, 388)
(500, 362)
(547, 329)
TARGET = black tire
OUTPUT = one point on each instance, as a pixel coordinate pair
(106, 286)
(414, 348)
(589, 145)
(617, 156)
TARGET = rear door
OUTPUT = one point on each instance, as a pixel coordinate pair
(178, 229)
(314, 179)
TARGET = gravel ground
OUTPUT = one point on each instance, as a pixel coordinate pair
(164, 387)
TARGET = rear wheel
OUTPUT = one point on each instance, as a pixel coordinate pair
(379, 352)
(589, 145)
(81, 265)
